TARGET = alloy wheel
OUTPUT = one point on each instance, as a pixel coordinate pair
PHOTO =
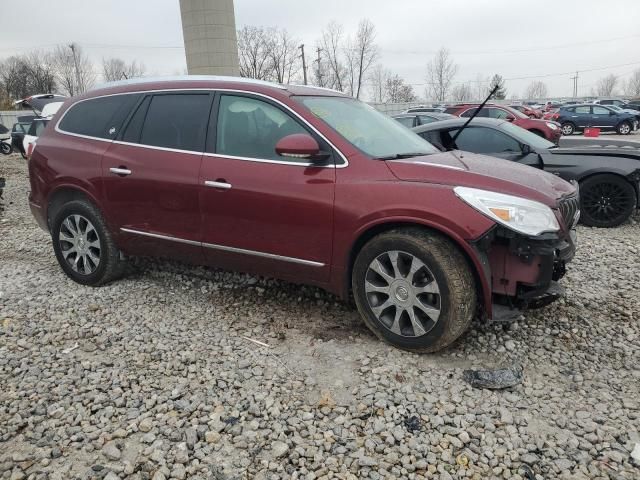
(606, 201)
(625, 129)
(567, 129)
(80, 244)
(402, 293)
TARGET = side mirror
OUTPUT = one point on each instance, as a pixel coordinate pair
(300, 145)
(510, 118)
(612, 113)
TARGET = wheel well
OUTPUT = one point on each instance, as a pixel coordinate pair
(385, 227)
(59, 198)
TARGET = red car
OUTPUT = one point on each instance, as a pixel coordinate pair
(547, 129)
(304, 184)
(527, 110)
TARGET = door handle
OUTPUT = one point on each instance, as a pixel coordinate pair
(120, 171)
(219, 183)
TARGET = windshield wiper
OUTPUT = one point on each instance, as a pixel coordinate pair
(399, 156)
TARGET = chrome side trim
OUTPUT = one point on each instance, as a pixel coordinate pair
(213, 246)
(286, 107)
(261, 160)
(272, 256)
(153, 147)
(161, 237)
(439, 165)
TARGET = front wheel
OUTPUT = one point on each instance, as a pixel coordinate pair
(5, 148)
(83, 245)
(606, 201)
(624, 128)
(568, 128)
(414, 289)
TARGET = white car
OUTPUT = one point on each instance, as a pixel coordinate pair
(38, 124)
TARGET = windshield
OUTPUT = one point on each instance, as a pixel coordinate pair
(516, 113)
(373, 132)
(525, 136)
(615, 108)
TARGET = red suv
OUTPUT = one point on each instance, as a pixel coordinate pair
(547, 129)
(304, 184)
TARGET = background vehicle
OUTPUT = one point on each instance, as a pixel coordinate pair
(547, 129)
(528, 110)
(5, 145)
(35, 129)
(551, 105)
(18, 132)
(425, 109)
(609, 178)
(414, 120)
(578, 117)
(610, 101)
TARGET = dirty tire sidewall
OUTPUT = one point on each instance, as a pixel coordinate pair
(111, 265)
(450, 269)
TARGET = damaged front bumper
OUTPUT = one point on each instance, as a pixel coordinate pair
(523, 271)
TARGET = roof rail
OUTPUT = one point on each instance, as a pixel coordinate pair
(184, 78)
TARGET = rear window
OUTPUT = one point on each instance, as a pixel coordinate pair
(98, 117)
(177, 121)
(451, 110)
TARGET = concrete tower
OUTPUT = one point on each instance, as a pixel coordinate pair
(209, 30)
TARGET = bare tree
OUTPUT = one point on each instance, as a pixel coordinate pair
(114, 69)
(284, 58)
(396, 91)
(482, 87)
(536, 89)
(440, 73)
(632, 88)
(360, 53)
(333, 71)
(74, 71)
(462, 93)
(606, 85)
(378, 77)
(254, 50)
(21, 76)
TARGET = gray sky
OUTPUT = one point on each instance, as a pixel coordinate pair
(513, 38)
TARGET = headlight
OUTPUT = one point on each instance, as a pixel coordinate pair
(519, 214)
(552, 126)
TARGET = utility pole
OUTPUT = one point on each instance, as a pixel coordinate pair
(575, 85)
(75, 64)
(320, 82)
(304, 64)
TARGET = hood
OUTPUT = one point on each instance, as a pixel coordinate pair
(480, 171)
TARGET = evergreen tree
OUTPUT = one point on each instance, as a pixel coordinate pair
(501, 93)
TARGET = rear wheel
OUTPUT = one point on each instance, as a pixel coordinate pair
(83, 245)
(606, 201)
(568, 128)
(624, 128)
(414, 289)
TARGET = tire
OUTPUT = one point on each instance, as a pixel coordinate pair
(624, 128)
(606, 201)
(6, 148)
(568, 128)
(82, 214)
(444, 265)
(24, 155)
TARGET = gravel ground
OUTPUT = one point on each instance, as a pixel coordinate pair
(152, 377)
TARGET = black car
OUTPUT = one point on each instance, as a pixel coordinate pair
(415, 119)
(609, 177)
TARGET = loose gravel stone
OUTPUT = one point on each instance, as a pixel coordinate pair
(152, 376)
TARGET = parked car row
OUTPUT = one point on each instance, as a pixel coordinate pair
(575, 118)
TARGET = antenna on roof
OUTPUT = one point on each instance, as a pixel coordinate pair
(474, 114)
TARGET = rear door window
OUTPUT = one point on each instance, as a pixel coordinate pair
(406, 121)
(177, 121)
(584, 109)
(99, 117)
